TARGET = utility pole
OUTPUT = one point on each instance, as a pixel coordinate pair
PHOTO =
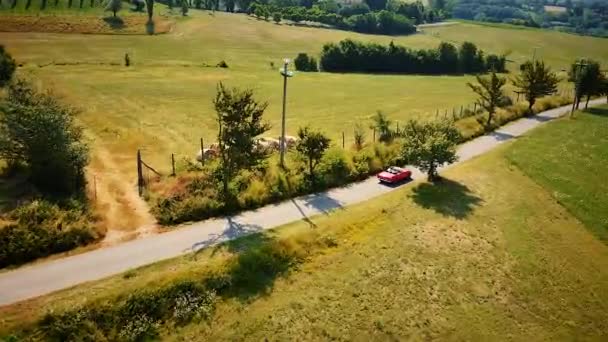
(580, 64)
(285, 73)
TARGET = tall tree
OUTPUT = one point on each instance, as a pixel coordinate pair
(40, 133)
(448, 57)
(490, 93)
(429, 145)
(150, 9)
(535, 80)
(587, 76)
(7, 67)
(312, 146)
(239, 118)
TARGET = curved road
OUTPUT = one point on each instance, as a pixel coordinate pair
(43, 278)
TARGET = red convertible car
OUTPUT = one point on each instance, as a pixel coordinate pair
(394, 174)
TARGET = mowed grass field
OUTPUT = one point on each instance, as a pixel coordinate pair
(570, 159)
(489, 254)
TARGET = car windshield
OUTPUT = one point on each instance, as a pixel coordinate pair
(393, 170)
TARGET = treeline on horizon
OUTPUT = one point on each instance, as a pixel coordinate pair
(352, 56)
(361, 19)
(586, 17)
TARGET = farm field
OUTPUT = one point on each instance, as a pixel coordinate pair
(163, 103)
(485, 254)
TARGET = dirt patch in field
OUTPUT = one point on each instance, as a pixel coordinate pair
(83, 24)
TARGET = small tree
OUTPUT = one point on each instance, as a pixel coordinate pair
(359, 136)
(184, 8)
(588, 80)
(312, 146)
(429, 145)
(382, 125)
(7, 67)
(239, 119)
(266, 14)
(535, 80)
(39, 132)
(276, 17)
(490, 93)
(305, 63)
(114, 6)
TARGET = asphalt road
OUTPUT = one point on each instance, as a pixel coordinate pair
(46, 277)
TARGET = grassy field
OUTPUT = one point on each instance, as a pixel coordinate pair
(570, 159)
(488, 254)
(162, 104)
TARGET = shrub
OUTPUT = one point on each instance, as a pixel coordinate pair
(305, 63)
(7, 67)
(334, 168)
(222, 64)
(41, 228)
(137, 318)
(276, 16)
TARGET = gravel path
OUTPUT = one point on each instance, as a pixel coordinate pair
(46, 277)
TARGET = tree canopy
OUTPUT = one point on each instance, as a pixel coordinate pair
(312, 146)
(429, 145)
(239, 118)
(489, 90)
(535, 80)
(39, 132)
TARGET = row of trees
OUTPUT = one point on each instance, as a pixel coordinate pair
(382, 22)
(426, 145)
(536, 80)
(240, 121)
(589, 80)
(353, 56)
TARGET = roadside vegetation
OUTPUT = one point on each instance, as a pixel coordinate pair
(489, 247)
(246, 174)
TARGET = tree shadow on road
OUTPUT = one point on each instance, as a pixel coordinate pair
(232, 230)
(446, 197)
(322, 202)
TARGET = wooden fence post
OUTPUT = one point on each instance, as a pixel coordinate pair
(374, 135)
(342, 139)
(475, 108)
(461, 109)
(202, 152)
(140, 176)
(173, 164)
